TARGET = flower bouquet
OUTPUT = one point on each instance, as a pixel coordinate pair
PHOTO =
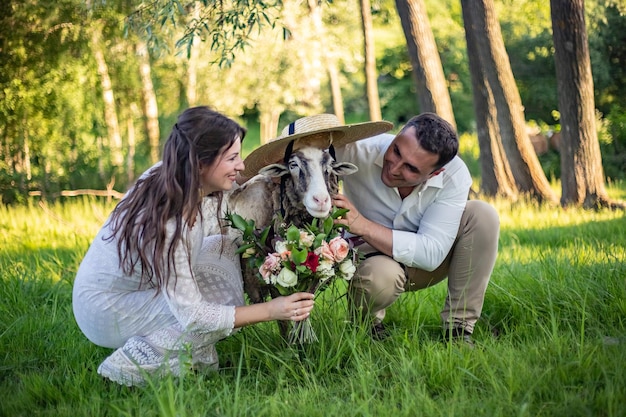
(297, 259)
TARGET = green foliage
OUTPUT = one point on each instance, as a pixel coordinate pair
(52, 131)
(226, 26)
(613, 144)
(608, 54)
(469, 152)
(396, 85)
(550, 341)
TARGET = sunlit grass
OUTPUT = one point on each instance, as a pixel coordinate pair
(551, 342)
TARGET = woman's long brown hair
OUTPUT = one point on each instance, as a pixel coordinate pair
(170, 191)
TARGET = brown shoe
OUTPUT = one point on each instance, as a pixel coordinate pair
(379, 332)
(458, 335)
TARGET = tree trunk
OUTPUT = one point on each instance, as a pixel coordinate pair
(335, 91)
(525, 166)
(432, 90)
(110, 114)
(100, 148)
(149, 101)
(26, 155)
(269, 123)
(582, 176)
(496, 176)
(371, 76)
(192, 63)
(130, 157)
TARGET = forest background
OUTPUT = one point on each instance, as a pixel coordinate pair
(89, 90)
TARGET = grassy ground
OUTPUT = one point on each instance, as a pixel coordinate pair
(551, 342)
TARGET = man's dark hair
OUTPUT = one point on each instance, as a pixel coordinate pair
(435, 135)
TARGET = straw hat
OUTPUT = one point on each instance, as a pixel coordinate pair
(320, 131)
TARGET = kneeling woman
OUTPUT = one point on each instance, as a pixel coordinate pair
(154, 284)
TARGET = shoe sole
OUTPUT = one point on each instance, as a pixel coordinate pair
(120, 369)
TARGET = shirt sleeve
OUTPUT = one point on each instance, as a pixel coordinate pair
(428, 247)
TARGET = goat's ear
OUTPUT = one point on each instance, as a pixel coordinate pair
(274, 170)
(344, 168)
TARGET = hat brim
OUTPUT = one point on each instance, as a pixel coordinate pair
(274, 151)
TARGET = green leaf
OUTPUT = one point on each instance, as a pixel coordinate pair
(282, 290)
(339, 213)
(328, 225)
(237, 221)
(318, 240)
(293, 234)
(264, 234)
(299, 255)
(244, 248)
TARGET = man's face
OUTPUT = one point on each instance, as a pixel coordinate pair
(406, 163)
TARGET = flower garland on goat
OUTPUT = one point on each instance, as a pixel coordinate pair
(292, 259)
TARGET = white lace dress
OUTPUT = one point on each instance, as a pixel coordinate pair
(196, 311)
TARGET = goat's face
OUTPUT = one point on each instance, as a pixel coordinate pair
(312, 176)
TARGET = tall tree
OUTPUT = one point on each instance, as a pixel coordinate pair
(130, 133)
(110, 108)
(496, 176)
(335, 90)
(432, 91)
(525, 166)
(149, 101)
(192, 60)
(582, 176)
(371, 76)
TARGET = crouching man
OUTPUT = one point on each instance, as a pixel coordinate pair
(409, 205)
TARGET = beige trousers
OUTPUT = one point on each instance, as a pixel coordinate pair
(380, 280)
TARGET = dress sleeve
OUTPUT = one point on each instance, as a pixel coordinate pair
(194, 311)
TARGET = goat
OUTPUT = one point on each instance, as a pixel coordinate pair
(308, 180)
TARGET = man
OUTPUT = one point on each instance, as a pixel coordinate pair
(409, 204)
(409, 208)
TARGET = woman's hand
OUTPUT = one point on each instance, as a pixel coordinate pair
(294, 307)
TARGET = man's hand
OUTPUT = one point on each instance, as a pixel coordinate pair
(353, 218)
(378, 236)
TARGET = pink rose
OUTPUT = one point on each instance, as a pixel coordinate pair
(339, 247)
(271, 266)
(325, 252)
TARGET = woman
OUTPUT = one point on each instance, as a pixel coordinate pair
(153, 284)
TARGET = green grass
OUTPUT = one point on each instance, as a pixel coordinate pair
(551, 342)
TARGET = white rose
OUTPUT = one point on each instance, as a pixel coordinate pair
(287, 278)
(281, 246)
(306, 239)
(325, 269)
(348, 269)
